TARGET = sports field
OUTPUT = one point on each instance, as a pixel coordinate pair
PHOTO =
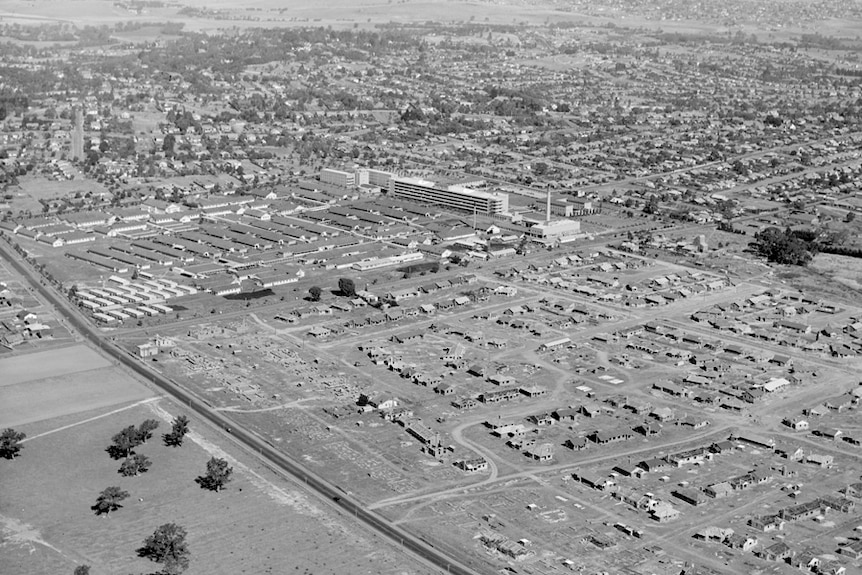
(61, 382)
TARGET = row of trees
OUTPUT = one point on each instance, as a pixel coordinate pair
(124, 443)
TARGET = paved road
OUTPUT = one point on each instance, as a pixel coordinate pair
(278, 460)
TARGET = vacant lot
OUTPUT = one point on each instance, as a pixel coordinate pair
(842, 269)
(259, 524)
(833, 277)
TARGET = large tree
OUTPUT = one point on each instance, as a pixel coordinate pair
(167, 545)
(217, 475)
(134, 465)
(82, 570)
(109, 500)
(784, 247)
(10, 443)
(314, 293)
(179, 428)
(125, 442)
(146, 429)
(347, 287)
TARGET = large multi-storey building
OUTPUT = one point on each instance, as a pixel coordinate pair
(338, 177)
(457, 198)
(357, 177)
(377, 178)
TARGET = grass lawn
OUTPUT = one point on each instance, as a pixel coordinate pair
(259, 524)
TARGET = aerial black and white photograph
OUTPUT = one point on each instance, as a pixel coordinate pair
(420, 287)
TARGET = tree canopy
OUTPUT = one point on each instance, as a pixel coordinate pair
(167, 545)
(134, 465)
(347, 287)
(784, 247)
(124, 442)
(109, 500)
(314, 293)
(146, 429)
(10, 443)
(652, 206)
(179, 428)
(217, 475)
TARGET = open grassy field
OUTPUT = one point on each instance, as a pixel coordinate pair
(33, 188)
(65, 269)
(830, 277)
(67, 394)
(60, 382)
(843, 270)
(259, 524)
(50, 364)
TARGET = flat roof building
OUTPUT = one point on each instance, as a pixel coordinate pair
(556, 229)
(338, 177)
(456, 198)
(568, 207)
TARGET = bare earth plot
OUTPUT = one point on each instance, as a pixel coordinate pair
(52, 384)
(259, 524)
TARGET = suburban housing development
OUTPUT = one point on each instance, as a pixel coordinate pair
(571, 287)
